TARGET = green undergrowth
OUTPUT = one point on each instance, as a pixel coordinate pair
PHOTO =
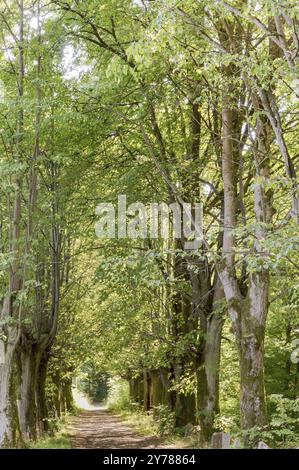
(59, 441)
(145, 424)
(57, 438)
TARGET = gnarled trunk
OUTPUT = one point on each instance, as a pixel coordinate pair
(29, 356)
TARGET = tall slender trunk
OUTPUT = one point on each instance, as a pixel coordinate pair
(209, 367)
(254, 316)
(10, 334)
(31, 346)
(248, 313)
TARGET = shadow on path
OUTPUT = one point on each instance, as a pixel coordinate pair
(100, 429)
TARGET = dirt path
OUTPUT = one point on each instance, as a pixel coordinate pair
(100, 429)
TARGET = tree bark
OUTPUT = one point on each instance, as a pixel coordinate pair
(8, 427)
(247, 312)
(252, 384)
(10, 310)
(69, 401)
(160, 388)
(185, 404)
(209, 367)
(29, 364)
(255, 306)
(146, 391)
(42, 409)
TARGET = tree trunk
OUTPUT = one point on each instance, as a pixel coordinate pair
(146, 391)
(136, 390)
(248, 312)
(252, 387)
(69, 401)
(8, 427)
(208, 377)
(42, 409)
(185, 404)
(56, 400)
(62, 398)
(8, 416)
(160, 388)
(29, 362)
(254, 314)
(185, 410)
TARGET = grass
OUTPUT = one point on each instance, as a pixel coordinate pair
(144, 425)
(60, 440)
(142, 422)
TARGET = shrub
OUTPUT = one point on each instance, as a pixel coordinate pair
(165, 420)
(283, 428)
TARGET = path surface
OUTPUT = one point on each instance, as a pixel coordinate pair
(96, 428)
(101, 429)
